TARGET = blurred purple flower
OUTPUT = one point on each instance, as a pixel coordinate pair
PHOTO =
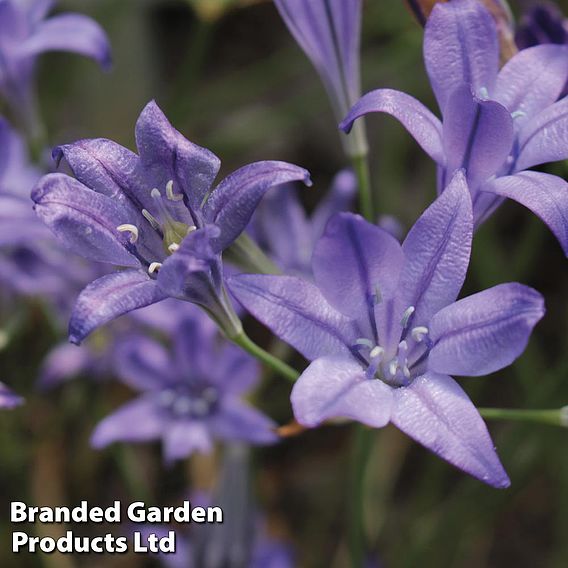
(329, 33)
(496, 124)
(384, 330)
(25, 33)
(155, 213)
(190, 396)
(282, 227)
(8, 399)
(541, 24)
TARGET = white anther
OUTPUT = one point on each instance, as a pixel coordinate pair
(182, 405)
(518, 114)
(419, 333)
(483, 93)
(173, 247)
(406, 371)
(154, 267)
(393, 366)
(191, 228)
(155, 193)
(364, 341)
(406, 316)
(199, 407)
(132, 229)
(150, 218)
(378, 297)
(170, 192)
(377, 351)
(167, 397)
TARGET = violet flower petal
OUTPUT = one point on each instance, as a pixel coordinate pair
(143, 363)
(532, 80)
(109, 297)
(297, 312)
(234, 371)
(412, 114)
(8, 399)
(544, 138)
(437, 250)
(83, 220)
(69, 32)
(485, 332)
(65, 362)
(544, 194)
(353, 263)
(239, 422)
(185, 437)
(167, 155)
(333, 387)
(437, 413)
(136, 421)
(478, 135)
(460, 47)
(233, 201)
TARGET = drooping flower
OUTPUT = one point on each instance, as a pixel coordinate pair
(154, 213)
(282, 228)
(384, 331)
(329, 33)
(26, 32)
(8, 399)
(190, 396)
(496, 124)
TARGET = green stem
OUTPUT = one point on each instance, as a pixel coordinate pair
(282, 368)
(556, 417)
(362, 442)
(246, 254)
(362, 171)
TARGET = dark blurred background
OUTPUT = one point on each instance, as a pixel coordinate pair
(234, 81)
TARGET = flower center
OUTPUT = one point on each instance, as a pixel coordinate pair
(400, 367)
(163, 222)
(186, 402)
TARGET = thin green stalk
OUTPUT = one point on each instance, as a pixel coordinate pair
(362, 171)
(246, 254)
(556, 417)
(282, 368)
(362, 443)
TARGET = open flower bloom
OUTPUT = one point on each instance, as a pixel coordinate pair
(25, 33)
(190, 395)
(329, 33)
(496, 124)
(154, 213)
(282, 228)
(384, 331)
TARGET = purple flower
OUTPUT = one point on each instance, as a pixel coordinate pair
(281, 225)
(384, 331)
(189, 396)
(541, 24)
(329, 32)
(154, 213)
(8, 399)
(25, 33)
(496, 124)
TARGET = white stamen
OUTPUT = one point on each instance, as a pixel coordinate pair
(167, 397)
(378, 297)
(191, 228)
(376, 352)
(483, 93)
(182, 405)
(150, 218)
(419, 333)
(200, 407)
(170, 192)
(154, 267)
(406, 371)
(366, 342)
(155, 193)
(132, 229)
(173, 247)
(518, 114)
(406, 316)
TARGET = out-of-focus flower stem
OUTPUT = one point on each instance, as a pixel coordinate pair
(362, 442)
(362, 171)
(246, 254)
(282, 368)
(556, 417)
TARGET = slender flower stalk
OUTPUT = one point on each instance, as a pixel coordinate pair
(556, 417)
